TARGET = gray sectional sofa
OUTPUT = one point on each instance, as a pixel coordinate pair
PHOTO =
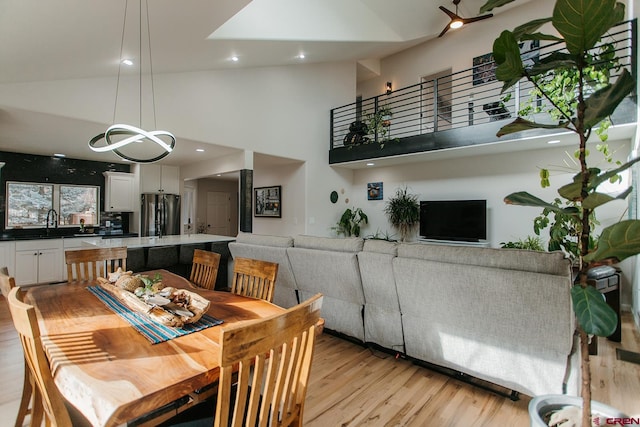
(500, 315)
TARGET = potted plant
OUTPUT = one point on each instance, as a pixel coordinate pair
(349, 223)
(379, 123)
(580, 25)
(403, 212)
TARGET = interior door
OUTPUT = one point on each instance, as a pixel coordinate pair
(218, 213)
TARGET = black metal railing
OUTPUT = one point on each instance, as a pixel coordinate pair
(465, 98)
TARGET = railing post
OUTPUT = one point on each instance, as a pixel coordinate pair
(435, 105)
(331, 135)
(634, 58)
(375, 116)
(516, 94)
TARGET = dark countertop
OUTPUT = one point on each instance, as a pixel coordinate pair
(6, 237)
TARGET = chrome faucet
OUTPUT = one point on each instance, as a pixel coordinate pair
(52, 219)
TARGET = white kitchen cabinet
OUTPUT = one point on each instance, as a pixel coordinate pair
(38, 261)
(8, 256)
(119, 192)
(159, 179)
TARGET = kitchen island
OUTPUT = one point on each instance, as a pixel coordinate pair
(147, 242)
(173, 253)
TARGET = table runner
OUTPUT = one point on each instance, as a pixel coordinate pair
(153, 331)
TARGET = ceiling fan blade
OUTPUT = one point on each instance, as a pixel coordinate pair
(448, 12)
(444, 31)
(477, 18)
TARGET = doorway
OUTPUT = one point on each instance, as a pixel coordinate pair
(436, 101)
(219, 213)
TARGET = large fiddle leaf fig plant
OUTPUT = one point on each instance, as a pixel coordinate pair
(580, 25)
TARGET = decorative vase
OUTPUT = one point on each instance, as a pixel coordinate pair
(541, 405)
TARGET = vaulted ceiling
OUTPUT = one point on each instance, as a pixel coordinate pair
(73, 39)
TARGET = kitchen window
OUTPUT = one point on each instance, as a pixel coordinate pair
(28, 204)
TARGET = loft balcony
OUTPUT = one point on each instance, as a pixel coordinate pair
(461, 110)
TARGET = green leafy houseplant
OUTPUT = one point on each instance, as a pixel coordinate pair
(379, 123)
(403, 212)
(580, 25)
(532, 243)
(349, 223)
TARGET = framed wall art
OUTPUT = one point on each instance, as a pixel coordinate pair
(268, 201)
(374, 191)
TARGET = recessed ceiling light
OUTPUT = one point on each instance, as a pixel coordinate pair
(371, 164)
(218, 175)
(235, 58)
(127, 62)
(59, 155)
(300, 56)
(200, 150)
(553, 141)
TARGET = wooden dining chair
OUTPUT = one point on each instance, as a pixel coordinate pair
(6, 284)
(264, 371)
(89, 264)
(48, 402)
(254, 278)
(204, 269)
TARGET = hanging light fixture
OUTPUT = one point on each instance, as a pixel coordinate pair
(132, 142)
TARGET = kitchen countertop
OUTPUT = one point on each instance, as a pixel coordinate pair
(145, 242)
(9, 238)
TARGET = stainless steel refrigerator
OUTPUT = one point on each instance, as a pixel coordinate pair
(160, 214)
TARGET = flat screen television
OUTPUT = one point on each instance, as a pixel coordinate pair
(458, 220)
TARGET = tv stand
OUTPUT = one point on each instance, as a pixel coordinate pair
(480, 243)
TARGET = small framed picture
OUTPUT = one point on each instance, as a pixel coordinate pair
(374, 191)
(268, 201)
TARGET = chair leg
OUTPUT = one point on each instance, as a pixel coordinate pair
(25, 400)
(37, 411)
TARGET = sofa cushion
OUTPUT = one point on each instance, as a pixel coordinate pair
(554, 263)
(350, 244)
(380, 246)
(265, 240)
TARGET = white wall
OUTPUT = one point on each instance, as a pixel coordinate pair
(489, 177)
(292, 179)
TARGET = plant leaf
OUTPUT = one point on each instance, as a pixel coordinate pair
(617, 242)
(582, 22)
(527, 28)
(594, 316)
(594, 200)
(571, 191)
(557, 60)
(506, 53)
(490, 4)
(520, 124)
(603, 102)
(540, 36)
(613, 172)
(522, 198)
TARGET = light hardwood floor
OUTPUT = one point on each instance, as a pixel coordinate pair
(354, 386)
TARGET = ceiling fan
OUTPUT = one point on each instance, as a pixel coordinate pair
(458, 21)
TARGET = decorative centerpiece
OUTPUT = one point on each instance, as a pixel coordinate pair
(166, 305)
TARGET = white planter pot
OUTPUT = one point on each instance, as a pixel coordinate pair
(540, 405)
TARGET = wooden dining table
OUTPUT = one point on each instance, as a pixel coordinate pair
(109, 371)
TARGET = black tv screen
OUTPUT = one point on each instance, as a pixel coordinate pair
(460, 220)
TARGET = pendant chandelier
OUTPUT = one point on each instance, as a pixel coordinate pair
(132, 142)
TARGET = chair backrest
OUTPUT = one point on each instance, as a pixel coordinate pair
(89, 264)
(204, 270)
(254, 278)
(273, 357)
(6, 282)
(50, 399)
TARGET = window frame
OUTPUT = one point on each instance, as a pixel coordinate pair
(55, 204)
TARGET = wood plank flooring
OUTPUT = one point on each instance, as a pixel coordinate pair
(354, 386)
